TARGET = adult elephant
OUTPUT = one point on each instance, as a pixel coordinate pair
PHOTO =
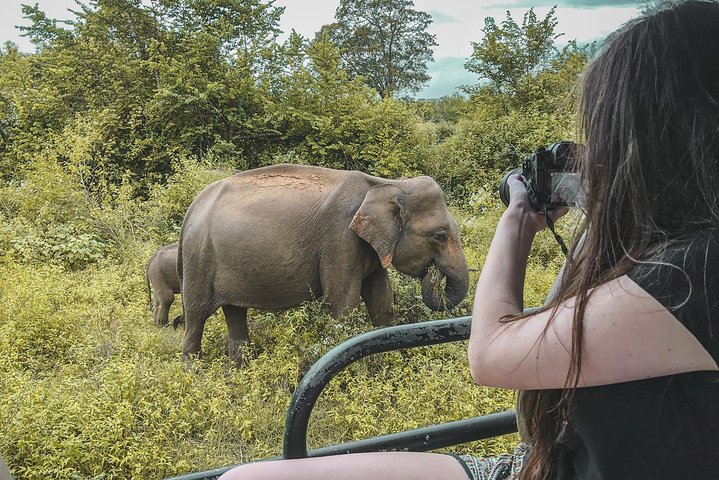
(277, 236)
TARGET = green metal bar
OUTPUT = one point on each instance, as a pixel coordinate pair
(376, 341)
(417, 440)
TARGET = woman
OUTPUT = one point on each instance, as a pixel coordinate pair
(620, 369)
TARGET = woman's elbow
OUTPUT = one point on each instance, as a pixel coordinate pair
(485, 365)
(476, 368)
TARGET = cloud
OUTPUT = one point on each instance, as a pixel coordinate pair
(439, 17)
(565, 3)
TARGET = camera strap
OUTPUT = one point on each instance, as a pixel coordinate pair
(550, 225)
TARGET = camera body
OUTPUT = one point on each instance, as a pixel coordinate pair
(550, 177)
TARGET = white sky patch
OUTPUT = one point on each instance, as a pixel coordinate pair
(455, 39)
(11, 15)
(306, 17)
(458, 24)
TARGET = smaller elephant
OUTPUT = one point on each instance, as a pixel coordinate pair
(162, 278)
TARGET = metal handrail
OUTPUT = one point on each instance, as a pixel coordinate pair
(334, 361)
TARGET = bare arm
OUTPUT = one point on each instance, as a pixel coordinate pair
(628, 334)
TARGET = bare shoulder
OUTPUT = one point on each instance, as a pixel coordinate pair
(628, 335)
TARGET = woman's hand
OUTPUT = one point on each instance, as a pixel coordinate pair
(530, 220)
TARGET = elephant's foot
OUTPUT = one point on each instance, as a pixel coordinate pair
(158, 320)
(236, 350)
(383, 319)
(190, 357)
(177, 321)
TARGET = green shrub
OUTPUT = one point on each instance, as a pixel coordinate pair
(62, 244)
(48, 218)
(45, 193)
(95, 390)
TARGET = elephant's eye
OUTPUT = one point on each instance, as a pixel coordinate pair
(440, 236)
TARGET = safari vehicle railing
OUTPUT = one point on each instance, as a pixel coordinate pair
(378, 341)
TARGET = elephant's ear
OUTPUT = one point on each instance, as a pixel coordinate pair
(379, 220)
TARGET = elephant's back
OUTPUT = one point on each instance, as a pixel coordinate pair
(284, 195)
(283, 183)
(262, 231)
(273, 211)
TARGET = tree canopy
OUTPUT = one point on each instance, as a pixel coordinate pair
(127, 89)
(510, 53)
(385, 42)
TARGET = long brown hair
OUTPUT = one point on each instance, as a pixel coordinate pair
(650, 120)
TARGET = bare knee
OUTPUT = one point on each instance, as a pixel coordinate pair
(268, 470)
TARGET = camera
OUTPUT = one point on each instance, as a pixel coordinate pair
(550, 177)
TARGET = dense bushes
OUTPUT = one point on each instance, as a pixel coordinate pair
(106, 135)
(51, 217)
(92, 389)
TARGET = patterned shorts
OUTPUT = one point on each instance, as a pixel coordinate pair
(504, 467)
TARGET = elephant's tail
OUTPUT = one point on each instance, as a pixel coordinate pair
(147, 281)
(178, 267)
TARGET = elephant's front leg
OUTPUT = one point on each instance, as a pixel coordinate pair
(238, 335)
(377, 295)
(341, 290)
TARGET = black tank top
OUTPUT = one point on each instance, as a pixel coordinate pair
(665, 427)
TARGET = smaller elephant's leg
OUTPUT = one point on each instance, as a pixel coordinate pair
(377, 295)
(156, 310)
(163, 302)
(238, 335)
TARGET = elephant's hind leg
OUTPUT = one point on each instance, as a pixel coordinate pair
(195, 317)
(238, 335)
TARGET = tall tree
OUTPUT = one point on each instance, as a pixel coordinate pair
(385, 42)
(520, 66)
(509, 52)
(147, 81)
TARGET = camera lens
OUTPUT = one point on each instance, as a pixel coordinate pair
(504, 186)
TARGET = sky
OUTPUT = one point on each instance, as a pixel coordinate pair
(456, 23)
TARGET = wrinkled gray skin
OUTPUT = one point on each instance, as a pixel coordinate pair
(162, 278)
(274, 237)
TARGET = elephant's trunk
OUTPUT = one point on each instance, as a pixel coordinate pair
(454, 268)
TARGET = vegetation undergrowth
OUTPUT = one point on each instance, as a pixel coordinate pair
(93, 389)
(107, 133)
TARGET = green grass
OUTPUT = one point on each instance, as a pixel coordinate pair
(92, 389)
